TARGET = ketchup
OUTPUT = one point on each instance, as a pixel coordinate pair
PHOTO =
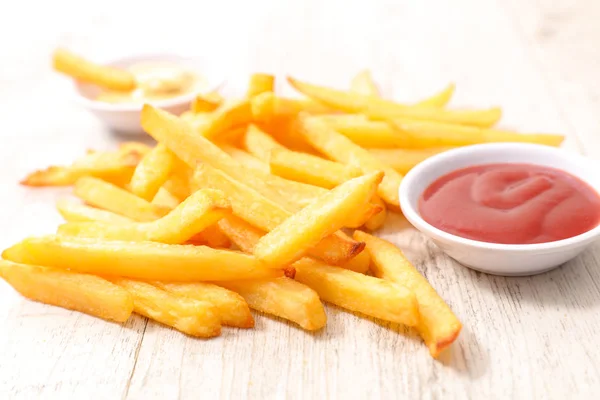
(511, 204)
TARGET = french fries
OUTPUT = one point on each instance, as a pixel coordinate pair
(439, 99)
(260, 83)
(267, 215)
(300, 232)
(230, 306)
(205, 103)
(75, 212)
(116, 167)
(377, 108)
(422, 134)
(260, 144)
(80, 292)
(339, 148)
(139, 260)
(213, 237)
(190, 316)
(438, 325)
(152, 172)
(357, 292)
(83, 70)
(363, 83)
(112, 198)
(164, 198)
(199, 211)
(246, 159)
(227, 117)
(267, 106)
(403, 160)
(365, 133)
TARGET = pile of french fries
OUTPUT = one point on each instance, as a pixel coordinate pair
(250, 204)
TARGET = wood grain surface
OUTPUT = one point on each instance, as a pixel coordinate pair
(523, 338)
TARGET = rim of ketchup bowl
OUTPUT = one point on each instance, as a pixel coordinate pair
(84, 92)
(425, 173)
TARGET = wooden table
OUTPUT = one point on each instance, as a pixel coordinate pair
(534, 337)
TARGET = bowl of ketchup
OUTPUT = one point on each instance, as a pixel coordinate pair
(506, 208)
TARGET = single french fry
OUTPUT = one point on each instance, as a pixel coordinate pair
(190, 316)
(377, 220)
(303, 230)
(423, 134)
(363, 83)
(267, 106)
(178, 183)
(260, 83)
(204, 103)
(80, 292)
(246, 159)
(282, 130)
(230, 306)
(260, 144)
(164, 198)
(228, 117)
(115, 167)
(439, 99)
(366, 133)
(104, 195)
(438, 325)
(212, 236)
(339, 148)
(265, 214)
(357, 292)
(313, 170)
(86, 71)
(403, 160)
(284, 298)
(245, 237)
(199, 211)
(138, 260)
(152, 172)
(73, 211)
(378, 108)
(135, 147)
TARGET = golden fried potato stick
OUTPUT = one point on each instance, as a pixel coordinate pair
(439, 99)
(212, 236)
(152, 172)
(357, 292)
(178, 183)
(377, 108)
(104, 195)
(339, 286)
(260, 83)
(339, 148)
(80, 292)
(190, 316)
(199, 211)
(363, 83)
(205, 103)
(403, 160)
(366, 133)
(267, 106)
(282, 130)
(313, 170)
(86, 71)
(246, 159)
(230, 306)
(423, 134)
(115, 167)
(377, 220)
(74, 211)
(291, 239)
(438, 325)
(138, 260)
(164, 198)
(135, 147)
(265, 214)
(227, 117)
(193, 148)
(259, 143)
(284, 298)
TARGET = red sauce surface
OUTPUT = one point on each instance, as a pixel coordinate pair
(511, 204)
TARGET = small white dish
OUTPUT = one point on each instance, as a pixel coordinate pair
(494, 258)
(125, 118)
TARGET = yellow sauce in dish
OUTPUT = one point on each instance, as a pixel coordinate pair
(156, 81)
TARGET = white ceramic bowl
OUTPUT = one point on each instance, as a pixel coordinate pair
(492, 258)
(125, 118)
